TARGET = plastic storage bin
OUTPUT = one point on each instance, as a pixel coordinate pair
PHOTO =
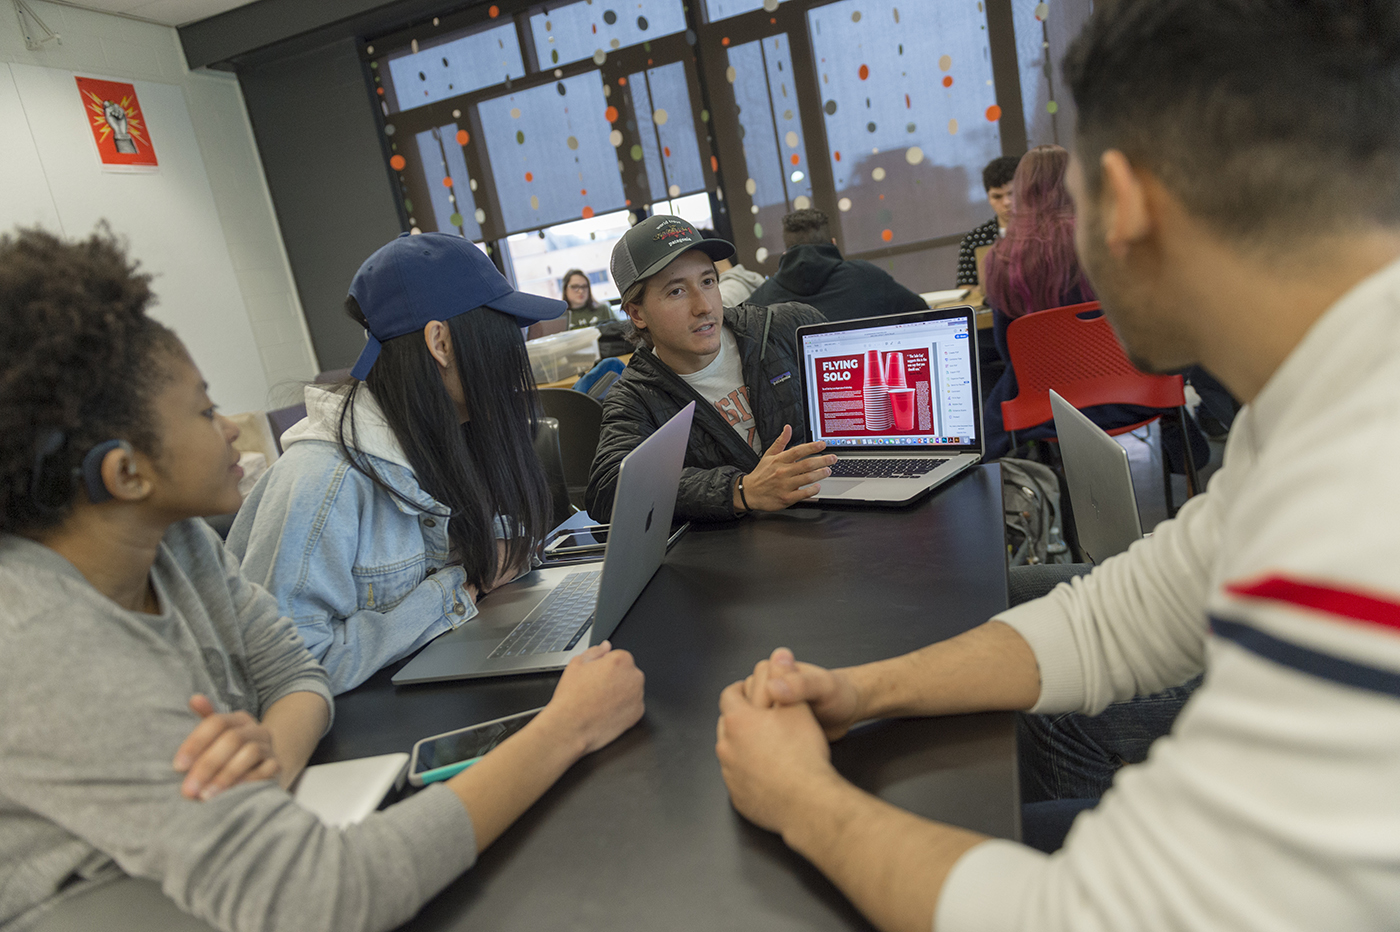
(561, 355)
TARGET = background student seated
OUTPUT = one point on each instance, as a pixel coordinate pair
(813, 271)
(120, 603)
(747, 449)
(996, 179)
(583, 311)
(1234, 212)
(415, 486)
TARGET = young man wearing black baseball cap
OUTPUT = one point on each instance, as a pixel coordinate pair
(747, 447)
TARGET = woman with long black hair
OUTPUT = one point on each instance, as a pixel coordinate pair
(414, 486)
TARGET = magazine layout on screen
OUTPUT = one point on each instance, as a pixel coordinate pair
(906, 384)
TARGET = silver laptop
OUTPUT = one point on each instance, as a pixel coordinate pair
(896, 398)
(540, 622)
(1100, 483)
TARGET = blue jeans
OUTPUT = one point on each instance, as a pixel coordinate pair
(1075, 756)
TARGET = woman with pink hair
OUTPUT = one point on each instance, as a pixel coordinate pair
(1034, 268)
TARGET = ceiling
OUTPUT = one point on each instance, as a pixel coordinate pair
(165, 12)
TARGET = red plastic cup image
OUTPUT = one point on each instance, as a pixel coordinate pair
(873, 373)
(902, 406)
(894, 370)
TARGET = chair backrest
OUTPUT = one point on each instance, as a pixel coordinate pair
(331, 376)
(1074, 351)
(547, 449)
(580, 420)
(279, 419)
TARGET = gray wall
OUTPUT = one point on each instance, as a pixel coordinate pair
(325, 167)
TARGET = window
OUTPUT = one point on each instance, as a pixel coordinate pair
(695, 209)
(592, 28)
(456, 64)
(550, 156)
(448, 184)
(774, 145)
(910, 116)
(539, 260)
(716, 10)
(669, 140)
(1043, 33)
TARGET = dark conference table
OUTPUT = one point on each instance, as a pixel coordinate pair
(641, 835)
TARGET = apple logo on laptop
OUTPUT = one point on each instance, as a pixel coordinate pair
(649, 514)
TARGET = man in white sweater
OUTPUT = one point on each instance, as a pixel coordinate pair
(1237, 183)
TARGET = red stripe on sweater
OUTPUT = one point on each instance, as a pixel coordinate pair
(1344, 603)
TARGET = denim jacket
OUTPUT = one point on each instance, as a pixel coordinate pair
(364, 575)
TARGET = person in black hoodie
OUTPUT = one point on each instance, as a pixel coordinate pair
(813, 272)
(739, 364)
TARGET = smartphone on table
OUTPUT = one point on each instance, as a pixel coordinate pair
(447, 755)
(579, 541)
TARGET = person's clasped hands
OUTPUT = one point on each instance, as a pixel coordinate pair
(774, 731)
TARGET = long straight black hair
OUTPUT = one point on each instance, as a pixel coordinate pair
(480, 469)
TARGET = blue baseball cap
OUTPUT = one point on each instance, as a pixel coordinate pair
(422, 277)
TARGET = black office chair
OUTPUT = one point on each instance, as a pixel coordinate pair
(331, 377)
(280, 419)
(547, 449)
(580, 422)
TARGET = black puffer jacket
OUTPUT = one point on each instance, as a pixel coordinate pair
(649, 394)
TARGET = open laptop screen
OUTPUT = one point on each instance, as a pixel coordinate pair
(905, 380)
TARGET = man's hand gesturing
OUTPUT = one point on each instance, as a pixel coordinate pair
(779, 479)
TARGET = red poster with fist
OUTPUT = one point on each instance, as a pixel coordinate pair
(117, 123)
(875, 394)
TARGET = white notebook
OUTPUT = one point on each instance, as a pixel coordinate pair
(346, 791)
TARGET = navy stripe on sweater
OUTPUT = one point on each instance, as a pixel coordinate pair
(1306, 660)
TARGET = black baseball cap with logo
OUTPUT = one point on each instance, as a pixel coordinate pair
(654, 243)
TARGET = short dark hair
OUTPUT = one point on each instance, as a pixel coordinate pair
(1267, 118)
(80, 364)
(806, 226)
(1000, 171)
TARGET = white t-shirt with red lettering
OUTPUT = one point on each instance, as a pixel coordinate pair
(722, 384)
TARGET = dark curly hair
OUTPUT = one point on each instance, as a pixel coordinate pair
(808, 225)
(79, 365)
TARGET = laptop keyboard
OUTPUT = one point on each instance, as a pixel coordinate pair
(559, 621)
(870, 468)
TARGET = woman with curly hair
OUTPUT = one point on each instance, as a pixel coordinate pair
(154, 704)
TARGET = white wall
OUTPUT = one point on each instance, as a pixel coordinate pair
(203, 223)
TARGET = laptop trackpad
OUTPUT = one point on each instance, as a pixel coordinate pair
(834, 487)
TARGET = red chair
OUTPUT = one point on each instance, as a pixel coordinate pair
(1074, 351)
